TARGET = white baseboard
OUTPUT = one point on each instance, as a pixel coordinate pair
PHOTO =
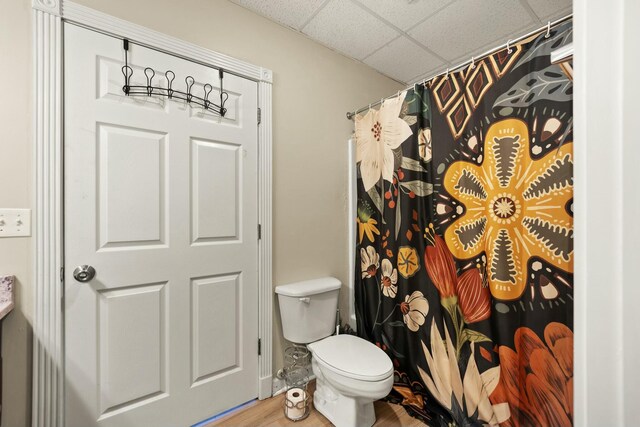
(264, 388)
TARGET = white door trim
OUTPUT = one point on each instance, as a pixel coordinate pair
(48, 245)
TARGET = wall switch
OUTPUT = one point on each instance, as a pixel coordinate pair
(15, 222)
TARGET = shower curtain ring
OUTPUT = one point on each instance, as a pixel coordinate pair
(509, 50)
(446, 77)
(546, 36)
(473, 63)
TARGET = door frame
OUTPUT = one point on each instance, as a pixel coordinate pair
(47, 172)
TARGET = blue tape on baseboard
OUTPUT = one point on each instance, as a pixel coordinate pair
(222, 414)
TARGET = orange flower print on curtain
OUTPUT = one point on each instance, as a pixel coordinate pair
(536, 379)
(515, 207)
(367, 226)
(464, 297)
(440, 267)
(408, 262)
(474, 298)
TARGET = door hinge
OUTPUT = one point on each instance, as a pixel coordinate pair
(259, 231)
(259, 115)
(62, 274)
(259, 347)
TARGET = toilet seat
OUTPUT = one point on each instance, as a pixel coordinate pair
(352, 357)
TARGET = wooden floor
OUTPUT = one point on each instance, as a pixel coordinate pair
(269, 412)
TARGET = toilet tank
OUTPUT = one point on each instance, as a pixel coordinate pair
(308, 309)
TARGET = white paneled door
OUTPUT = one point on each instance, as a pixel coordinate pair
(161, 200)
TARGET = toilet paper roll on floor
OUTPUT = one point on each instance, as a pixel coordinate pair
(295, 406)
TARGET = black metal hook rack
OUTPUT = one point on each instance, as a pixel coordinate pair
(169, 92)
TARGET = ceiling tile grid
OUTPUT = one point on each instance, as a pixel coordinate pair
(402, 13)
(401, 58)
(548, 9)
(409, 40)
(466, 25)
(349, 29)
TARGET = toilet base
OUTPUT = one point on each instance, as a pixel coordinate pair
(342, 411)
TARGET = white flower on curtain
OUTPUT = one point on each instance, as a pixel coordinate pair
(378, 133)
(414, 310)
(389, 279)
(452, 391)
(424, 144)
(369, 262)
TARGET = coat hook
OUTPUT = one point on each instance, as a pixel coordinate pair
(207, 90)
(189, 81)
(170, 76)
(223, 99)
(546, 36)
(149, 73)
(127, 72)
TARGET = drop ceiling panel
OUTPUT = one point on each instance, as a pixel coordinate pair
(408, 40)
(284, 11)
(349, 29)
(547, 9)
(402, 13)
(465, 26)
(401, 58)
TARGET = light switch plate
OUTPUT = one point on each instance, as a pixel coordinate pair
(15, 222)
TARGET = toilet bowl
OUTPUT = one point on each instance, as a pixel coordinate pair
(351, 373)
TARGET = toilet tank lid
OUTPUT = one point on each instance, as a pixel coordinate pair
(309, 287)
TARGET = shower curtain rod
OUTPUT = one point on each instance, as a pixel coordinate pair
(550, 24)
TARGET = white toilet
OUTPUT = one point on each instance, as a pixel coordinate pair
(351, 373)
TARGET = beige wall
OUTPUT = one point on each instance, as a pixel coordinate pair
(16, 192)
(313, 88)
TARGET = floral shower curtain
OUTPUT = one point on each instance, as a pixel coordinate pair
(465, 243)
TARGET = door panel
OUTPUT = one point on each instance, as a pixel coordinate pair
(131, 215)
(161, 199)
(131, 346)
(216, 178)
(216, 306)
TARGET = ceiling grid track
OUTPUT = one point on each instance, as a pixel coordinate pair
(525, 4)
(402, 32)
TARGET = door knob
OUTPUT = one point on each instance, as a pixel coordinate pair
(84, 273)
